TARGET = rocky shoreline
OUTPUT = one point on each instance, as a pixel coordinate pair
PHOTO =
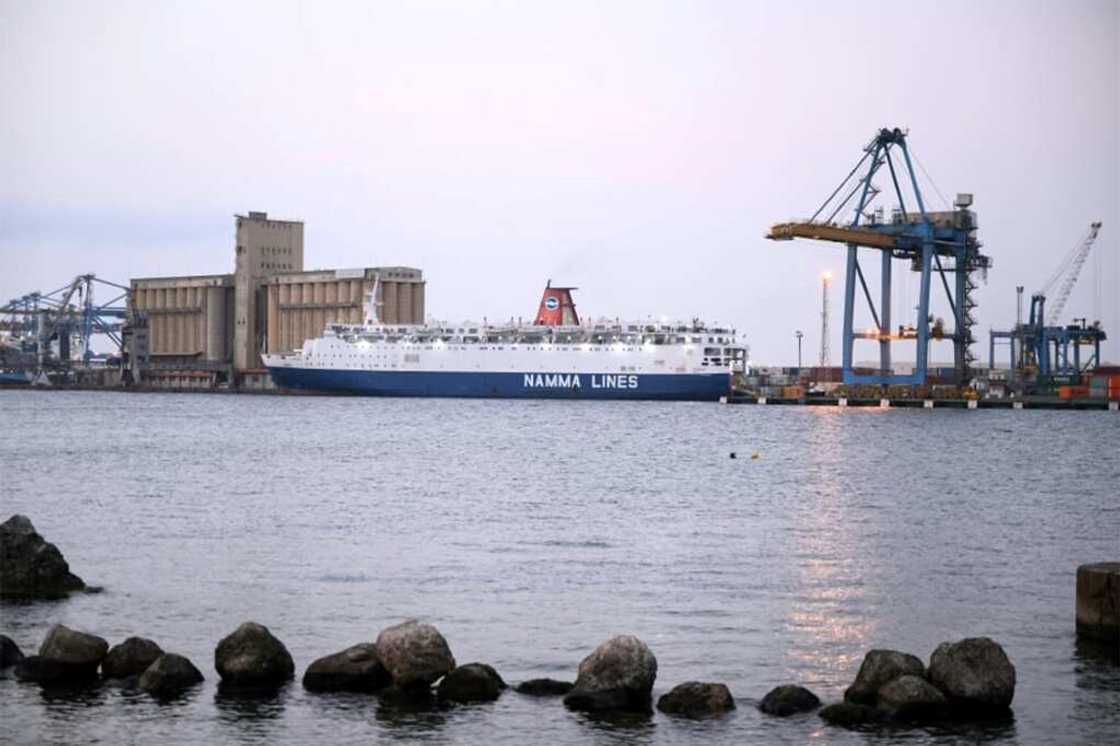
(964, 680)
(967, 680)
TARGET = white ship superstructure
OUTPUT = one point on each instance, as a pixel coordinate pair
(638, 360)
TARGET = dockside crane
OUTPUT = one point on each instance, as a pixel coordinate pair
(1068, 272)
(67, 314)
(941, 242)
(1042, 350)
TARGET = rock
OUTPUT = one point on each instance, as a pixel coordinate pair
(618, 675)
(608, 700)
(30, 566)
(414, 653)
(911, 698)
(40, 670)
(543, 688)
(130, 658)
(411, 697)
(10, 654)
(169, 675)
(355, 669)
(79, 652)
(473, 682)
(783, 701)
(1098, 601)
(252, 657)
(975, 674)
(697, 699)
(880, 667)
(850, 714)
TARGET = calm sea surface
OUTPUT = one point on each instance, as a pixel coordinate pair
(528, 532)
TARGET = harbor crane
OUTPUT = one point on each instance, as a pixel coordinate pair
(1068, 272)
(1043, 350)
(932, 242)
(67, 314)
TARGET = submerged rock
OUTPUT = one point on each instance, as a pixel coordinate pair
(975, 674)
(850, 714)
(355, 669)
(880, 667)
(697, 699)
(10, 654)
(473, 682)
(169, 675)
(911, 698)
(252, 657)
(130, 658)
(543, 688)
(30, 566)
(40, 670)
(618, 675)
(414, 653)
(783, 701)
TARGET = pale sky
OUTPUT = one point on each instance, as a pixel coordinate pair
(637, 150)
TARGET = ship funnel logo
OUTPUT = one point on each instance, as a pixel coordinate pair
(557, 308)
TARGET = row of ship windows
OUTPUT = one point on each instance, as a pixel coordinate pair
(382, 364)
(514, 348)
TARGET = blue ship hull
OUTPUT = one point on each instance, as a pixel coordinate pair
(681, 387)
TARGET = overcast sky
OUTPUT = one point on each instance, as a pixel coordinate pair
(637, 150)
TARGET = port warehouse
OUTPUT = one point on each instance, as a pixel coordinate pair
(198, 331)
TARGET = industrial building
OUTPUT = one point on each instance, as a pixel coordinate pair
(217, 326)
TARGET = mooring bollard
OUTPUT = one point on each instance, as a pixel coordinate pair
(1098, 601)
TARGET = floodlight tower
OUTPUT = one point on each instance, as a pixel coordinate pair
(826, 348)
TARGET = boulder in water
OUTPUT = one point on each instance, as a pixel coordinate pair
(911, 698)
(30, 566)
(10, 654)
(790, 699)
(251, 657)
(130, 658)
(975, 674)
(543, 688)
(618, 675)
(40, 670)
(79, 652)
(880, 667)
(355, 669)
(169, 675)
(414, 653)
(697, 699)
(473, 682)
(850, 714)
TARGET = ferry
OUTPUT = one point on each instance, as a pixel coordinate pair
(555, 357)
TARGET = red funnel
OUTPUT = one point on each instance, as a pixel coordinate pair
(557, 307)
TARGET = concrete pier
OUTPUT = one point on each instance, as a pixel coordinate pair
(1098, 601)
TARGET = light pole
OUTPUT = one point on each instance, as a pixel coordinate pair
(799, 335)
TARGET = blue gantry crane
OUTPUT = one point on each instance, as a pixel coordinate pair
(1043, 351)
(67, 315)
(941, 243)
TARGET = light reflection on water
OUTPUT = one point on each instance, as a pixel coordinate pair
(530, 531)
